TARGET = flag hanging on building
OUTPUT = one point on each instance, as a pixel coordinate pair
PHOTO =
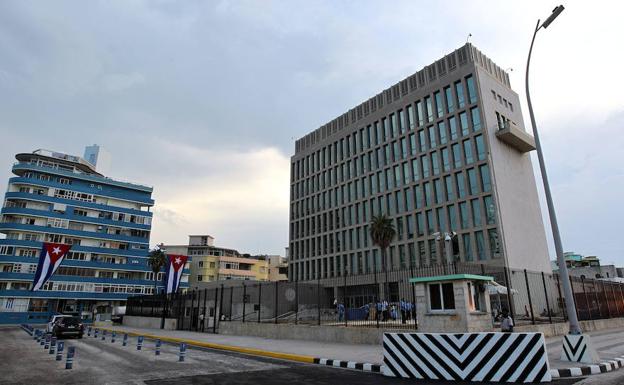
(51, 256)
(174, 272)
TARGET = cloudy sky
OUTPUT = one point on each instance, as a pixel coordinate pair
(203, 99)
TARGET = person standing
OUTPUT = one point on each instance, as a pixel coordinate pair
(403, 307)
(507, 324)
(202, 316)
(384, 310)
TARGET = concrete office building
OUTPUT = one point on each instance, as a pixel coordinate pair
(587, 267)
(444, 151)
(212, 263)
(61, 198)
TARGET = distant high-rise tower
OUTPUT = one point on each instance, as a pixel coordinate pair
(99, 157)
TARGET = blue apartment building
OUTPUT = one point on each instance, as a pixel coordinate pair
(56, 197)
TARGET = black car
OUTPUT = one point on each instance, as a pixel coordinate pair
(68, 327)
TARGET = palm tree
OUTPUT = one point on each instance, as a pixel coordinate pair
(156, 259)
(382, 233)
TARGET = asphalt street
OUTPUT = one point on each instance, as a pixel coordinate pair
(22, 361)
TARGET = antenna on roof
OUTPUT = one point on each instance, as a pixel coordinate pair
(468, 37)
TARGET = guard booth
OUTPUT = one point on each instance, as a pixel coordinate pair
(456, 303)
(454, 319)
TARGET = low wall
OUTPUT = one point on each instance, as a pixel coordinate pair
(149, 322)
(562, 328)
(339, 334)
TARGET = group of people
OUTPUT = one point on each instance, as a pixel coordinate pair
(382, 311)
(385, 311)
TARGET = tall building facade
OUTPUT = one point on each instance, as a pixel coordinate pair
(443, 153)
(55, 197)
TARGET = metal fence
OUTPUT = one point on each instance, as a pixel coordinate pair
(382, 299)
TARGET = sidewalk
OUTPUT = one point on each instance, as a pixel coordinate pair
(372, 354)
(608, 343)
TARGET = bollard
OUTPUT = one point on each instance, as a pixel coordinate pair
(42, 338)
(104, 335)
(139, 342)
(70, 357)
(89, 331)
(95, 333)
(46, 345)
(52, 345)
(125, 339)
(113, 337)
(157, 351)
(38, 335)
(35, 333)
(59, 351)
(182, 351)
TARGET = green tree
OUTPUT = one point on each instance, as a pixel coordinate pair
(156, 259)
(382, 233)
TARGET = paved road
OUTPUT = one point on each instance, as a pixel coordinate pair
(22, 361)
(608, 343)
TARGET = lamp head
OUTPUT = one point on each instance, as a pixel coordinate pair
(553, 16)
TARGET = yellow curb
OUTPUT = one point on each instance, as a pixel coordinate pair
(255, 352)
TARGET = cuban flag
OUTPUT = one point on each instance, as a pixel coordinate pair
(174, 272)
(51, 256)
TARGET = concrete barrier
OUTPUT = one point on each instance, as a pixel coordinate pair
(562, 328)
(149, 322)
(479, 357)
(339, 334)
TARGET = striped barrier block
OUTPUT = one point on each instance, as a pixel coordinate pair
(481, 357)
(577, 348)
(349, 365)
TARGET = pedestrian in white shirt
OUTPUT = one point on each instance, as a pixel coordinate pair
(507, 324)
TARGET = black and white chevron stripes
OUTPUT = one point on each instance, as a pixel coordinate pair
(349, 365)
(603, 367)
(577, 348)
(496, 357)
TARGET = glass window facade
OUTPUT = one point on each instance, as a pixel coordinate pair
(425, 163)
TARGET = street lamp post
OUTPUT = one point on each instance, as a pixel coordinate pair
(563, 270)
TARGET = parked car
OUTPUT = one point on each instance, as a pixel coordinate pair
(53, 320)
(68, 326)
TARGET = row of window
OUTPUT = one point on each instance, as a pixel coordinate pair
(449, 188)
(461, 215)
(414, 115)
(403, 149)
(415, 169)
(58, 238)
(72, 255)
(478, 245)
(83, 287)
(31, 268)
(455, 217)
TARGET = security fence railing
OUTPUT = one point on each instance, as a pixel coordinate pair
(383, 299)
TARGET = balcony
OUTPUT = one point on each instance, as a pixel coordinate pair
(99, 235)
(72, 217)
(75, 203)
(18, 168)
(140, 197)
(517, 138)
(130, 253)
